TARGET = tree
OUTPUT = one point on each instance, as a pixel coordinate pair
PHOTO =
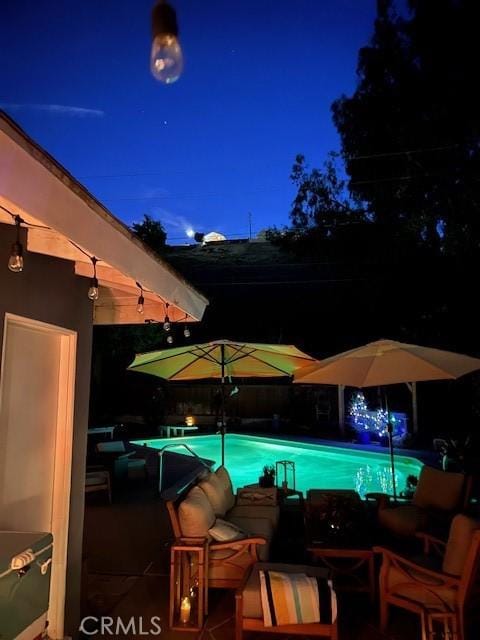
(151, 232)
(410, 133)
(322, 200)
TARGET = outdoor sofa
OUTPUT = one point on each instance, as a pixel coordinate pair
(207, 509)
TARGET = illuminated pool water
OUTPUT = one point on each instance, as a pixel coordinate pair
(317, 466)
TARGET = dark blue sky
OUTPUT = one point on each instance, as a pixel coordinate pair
(259, 79)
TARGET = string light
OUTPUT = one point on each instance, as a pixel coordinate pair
(141, 299)
(170, 339)
(186, 332)
(166, 58)
(167, 325)
(93, 290)
(15, 261)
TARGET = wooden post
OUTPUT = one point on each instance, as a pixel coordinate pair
(341, 408)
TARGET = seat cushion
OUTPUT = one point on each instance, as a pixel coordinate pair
(404, 520)
(257, 527)
(252, 604)
(438, 489)
(226, 481)
(458, 545)
(223, 531)
(428, 594)
(92, 479)
(214, 489)
(270, 512)
(195, 514)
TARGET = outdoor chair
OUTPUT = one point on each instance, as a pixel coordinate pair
(136, 466)
(438, 497)
(439, 586)
(98, 479)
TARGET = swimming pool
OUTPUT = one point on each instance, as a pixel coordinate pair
(317, 466)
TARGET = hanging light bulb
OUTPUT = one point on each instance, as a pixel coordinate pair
(93, 290)
(186, 332)
(15, 261)
(167, 325)
(166, 60)
(141, 299)
(170, 339)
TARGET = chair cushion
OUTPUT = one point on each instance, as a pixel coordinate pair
(257, 527)
(223, 531)
(404, 520)
(226, 481)
(252, 604)
(213, 487)
(428, 594)
(93, 479)
(195, 514)
(438, 489)
(270, 512)
(112, 446)
(458, 544)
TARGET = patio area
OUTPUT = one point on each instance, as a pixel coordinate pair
(132, 579)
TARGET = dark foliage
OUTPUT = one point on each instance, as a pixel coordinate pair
(151, 232)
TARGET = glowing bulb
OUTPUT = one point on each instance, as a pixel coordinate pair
(93, 291)
(15, 261)
(186, 332)
(170, 339)
(140, 303)
(166, 61)
(167, 325)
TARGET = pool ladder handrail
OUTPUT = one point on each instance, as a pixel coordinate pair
(169, 446)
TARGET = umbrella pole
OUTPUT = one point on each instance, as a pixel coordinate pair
(390, 443)
(222, 428)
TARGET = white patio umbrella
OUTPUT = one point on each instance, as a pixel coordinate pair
(386, 362)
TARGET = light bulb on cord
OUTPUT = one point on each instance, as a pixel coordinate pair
(167, 325)
(93, 290)
(186, 332)
(166, 59)
(170, 339)
(15, 261)
(141, 299)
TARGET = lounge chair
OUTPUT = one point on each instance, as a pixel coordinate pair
(136, 466)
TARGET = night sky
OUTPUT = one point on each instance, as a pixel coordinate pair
(259, 79)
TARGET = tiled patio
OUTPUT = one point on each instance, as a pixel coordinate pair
(126, 550)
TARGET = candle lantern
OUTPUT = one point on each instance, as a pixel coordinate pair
(285, 474)
(190, 421)
(188, 584)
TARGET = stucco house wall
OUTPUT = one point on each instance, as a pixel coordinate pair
(48, 290)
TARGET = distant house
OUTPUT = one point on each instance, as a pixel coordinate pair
(46, 333)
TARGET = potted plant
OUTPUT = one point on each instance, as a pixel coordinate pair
(410, 487)
(268, 478)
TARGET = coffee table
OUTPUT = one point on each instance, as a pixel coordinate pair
(343, 542)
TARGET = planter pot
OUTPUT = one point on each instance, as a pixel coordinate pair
(364, 437)
(266, 482)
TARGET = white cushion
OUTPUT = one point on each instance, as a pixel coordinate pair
(224, 478)
(213, 488)
(195, 514)
(224, 531)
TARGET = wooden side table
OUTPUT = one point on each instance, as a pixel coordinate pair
(188, 584)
